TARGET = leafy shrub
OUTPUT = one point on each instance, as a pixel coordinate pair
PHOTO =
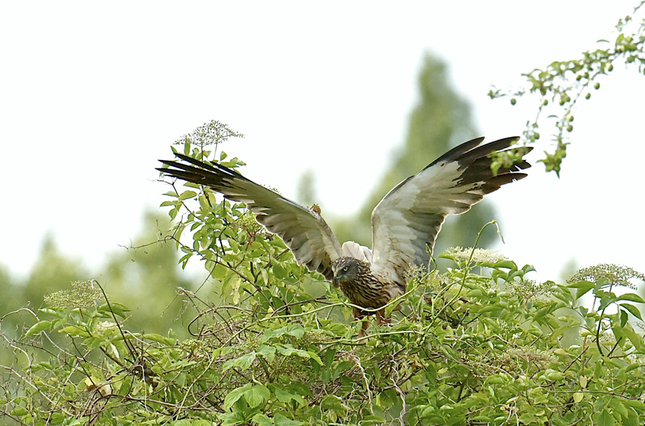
(478, 344)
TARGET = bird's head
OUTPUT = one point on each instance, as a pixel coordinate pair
(345, 270)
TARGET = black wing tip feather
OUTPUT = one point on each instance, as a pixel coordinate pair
(473, 148)
(457, 151)
(197, 171)
(207, 165)
(476, 166)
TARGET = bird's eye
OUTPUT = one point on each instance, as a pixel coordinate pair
(346, 268)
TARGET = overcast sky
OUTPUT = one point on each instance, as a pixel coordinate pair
(92, 94)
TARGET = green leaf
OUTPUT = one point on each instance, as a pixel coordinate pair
(256, 395)
(632, 310)
(606, 419)
(73, 330)
(243, 362)
(632, 297)
(583, 287)
(267, 352)
(281, 420)
(634, 337)
(288, 350)
(618, 407)
(53, 312)
(624, 316)
(114, 308)
(154, 337)
(313, 355)
(20, 411)
(509, 264)
(262, 420)
(636, 404)
(295, 330)
(286, 396)
(187, 194)
(232, 397)
(38, 327)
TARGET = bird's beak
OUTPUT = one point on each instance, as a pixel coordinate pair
(334, 281)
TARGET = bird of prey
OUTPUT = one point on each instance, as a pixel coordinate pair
(405, 223)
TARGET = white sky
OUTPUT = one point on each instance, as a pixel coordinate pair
(92, 94)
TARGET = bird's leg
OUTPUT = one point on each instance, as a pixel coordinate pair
(381, 319)
(358, 315)
(363, 331)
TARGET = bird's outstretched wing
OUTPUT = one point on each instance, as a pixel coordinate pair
(406, 221)
(303, 230)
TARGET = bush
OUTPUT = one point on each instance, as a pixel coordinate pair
(477, 344)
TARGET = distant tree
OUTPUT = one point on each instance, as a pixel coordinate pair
(52, 271)
(146, 277)
(11, 294)
(6, 284)
(440, 121)
(307, 189)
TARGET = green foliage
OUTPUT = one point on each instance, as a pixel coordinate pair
(129, 274)
(560, 85)
(478, 344)
(145, 275)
